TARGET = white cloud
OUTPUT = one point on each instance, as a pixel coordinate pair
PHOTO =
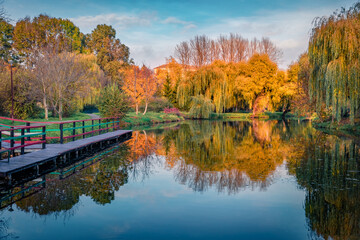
(121, 21)
(174, 20)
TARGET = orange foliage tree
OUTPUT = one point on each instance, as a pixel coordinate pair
(140, 85)
(132, 85)
(149, 84)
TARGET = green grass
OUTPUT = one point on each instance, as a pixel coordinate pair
(132, 119)
(76, 116)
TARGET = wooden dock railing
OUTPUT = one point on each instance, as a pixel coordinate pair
(28, 133)
(17, 138)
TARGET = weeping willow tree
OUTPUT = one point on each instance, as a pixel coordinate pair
(334, 50)
(201, 107)
(210, 82)
(234, 86)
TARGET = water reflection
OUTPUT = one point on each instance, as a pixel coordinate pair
(329, 171)
(226, 156)
(99, 181)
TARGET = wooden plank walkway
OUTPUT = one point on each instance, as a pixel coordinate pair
(52, 152)
(30, 148)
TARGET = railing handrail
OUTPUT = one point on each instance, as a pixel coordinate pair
(23, 136)
(25, 127)
(28, 134)
(53, 122)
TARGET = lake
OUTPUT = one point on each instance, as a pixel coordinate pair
(198, 180)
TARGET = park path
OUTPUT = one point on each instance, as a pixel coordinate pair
(93, 116)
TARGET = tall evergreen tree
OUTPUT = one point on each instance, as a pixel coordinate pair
(168, 91)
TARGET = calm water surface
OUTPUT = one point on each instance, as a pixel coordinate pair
(199, 180)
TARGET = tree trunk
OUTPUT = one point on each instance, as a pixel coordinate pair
(146, 105)
(46, 108)
(136, 108)
(60, 110)
(284, 113)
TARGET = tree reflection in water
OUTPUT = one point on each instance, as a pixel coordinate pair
(329, 171)
(99, 181)
(228, 157)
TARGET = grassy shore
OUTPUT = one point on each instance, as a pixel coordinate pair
(132, 119)
(248, 116)
(151, 118)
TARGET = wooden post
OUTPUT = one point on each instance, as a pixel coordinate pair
(22, 141)
(44, 137)
(99, 126)
(107, 125)
(92, 128)
(0, 141)
(83, 129)
(28, 130)
(74, 131)
(61, 133)
(12, 143)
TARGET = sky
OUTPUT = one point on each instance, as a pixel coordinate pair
(152, 28)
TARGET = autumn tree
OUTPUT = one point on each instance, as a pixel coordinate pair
(44, 31)
(170, 78)
(41, 81)
(24, 102)
(132, 85)
(149, 84)
(58, 79)
(334, 61)
(255, 86)
(111, 53)
(68, 75)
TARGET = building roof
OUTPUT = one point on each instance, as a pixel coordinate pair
(162, 66)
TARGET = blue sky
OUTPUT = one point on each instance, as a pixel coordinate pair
(152, 28)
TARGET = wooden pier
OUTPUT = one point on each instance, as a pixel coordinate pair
(57, 155)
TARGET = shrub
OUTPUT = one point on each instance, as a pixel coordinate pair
(172, 111)
(157, 105)
(113, 102)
